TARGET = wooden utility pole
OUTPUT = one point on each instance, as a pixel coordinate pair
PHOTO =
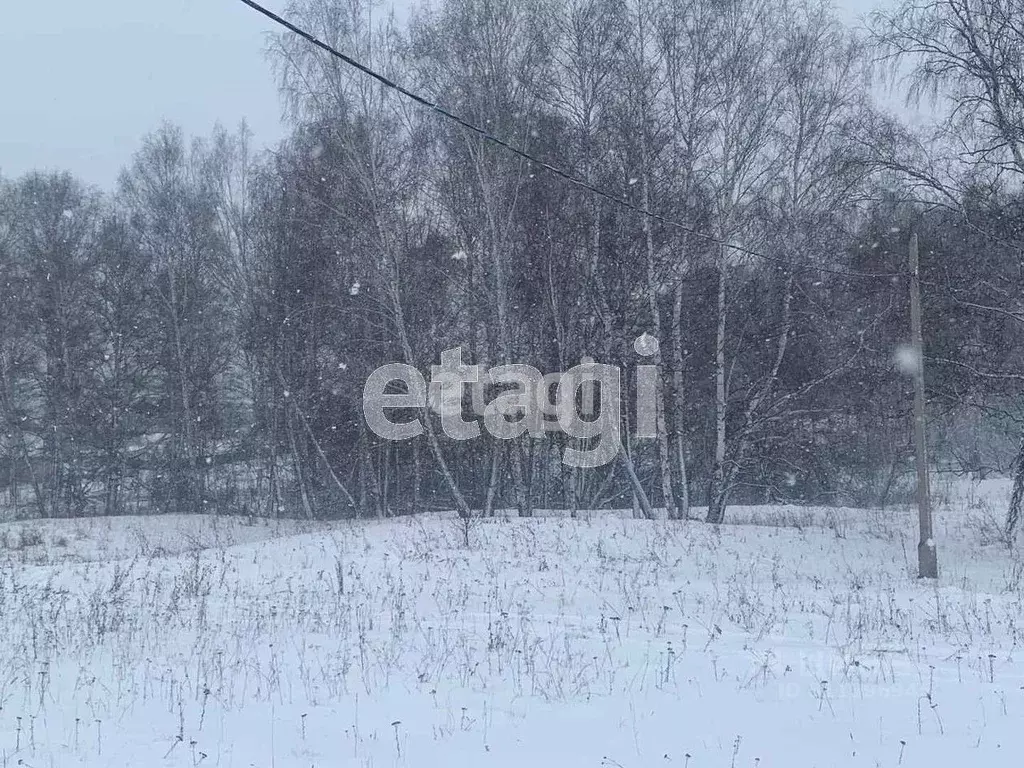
(927, 559)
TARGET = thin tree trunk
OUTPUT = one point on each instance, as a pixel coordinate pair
(716, 493)
(307, 506)
(193, 495)
(569, 475)
(664, 455)
(494, 478)
(417, 478)
(679, 403)
(377, 488)
(1017, 496)
(638, 489)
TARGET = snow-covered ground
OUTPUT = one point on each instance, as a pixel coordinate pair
(790, 637)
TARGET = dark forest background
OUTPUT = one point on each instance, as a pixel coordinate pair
(197, 339)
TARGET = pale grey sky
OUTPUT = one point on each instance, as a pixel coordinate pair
(83, 82)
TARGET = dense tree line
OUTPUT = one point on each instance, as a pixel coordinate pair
(198, 338)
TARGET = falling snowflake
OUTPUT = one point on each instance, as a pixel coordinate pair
(908, 361)
(460, 256)
(354, 290)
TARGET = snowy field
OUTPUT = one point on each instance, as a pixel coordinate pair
(791, 637)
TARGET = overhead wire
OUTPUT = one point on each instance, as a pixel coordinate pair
(778, 262)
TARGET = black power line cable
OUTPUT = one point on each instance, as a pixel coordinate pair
(575, 180)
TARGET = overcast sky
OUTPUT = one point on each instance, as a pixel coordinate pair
(83, 82)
